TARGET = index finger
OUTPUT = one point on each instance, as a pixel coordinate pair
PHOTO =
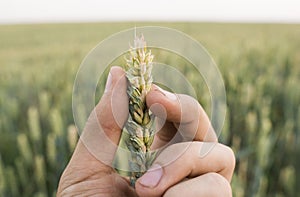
(184, 112)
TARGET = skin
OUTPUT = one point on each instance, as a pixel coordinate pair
(189, 173)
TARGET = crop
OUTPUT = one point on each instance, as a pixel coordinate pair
(140, 123)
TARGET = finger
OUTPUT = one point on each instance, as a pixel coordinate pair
(184, 111)
(183, 160)
(112, 110)
(95, 149)
(102, 131)
(207, 185)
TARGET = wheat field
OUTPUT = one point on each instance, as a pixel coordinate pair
(260, 65)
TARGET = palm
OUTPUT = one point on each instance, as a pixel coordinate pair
(92, 177)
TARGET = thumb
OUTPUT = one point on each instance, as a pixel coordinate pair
(96, 147)
(112, 110)
(102, 131)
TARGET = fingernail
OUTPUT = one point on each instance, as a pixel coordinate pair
(152, 177)
(169, 95)
(108, 83)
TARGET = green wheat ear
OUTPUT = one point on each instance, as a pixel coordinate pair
(140, 123)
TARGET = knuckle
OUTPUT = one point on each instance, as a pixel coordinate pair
(230, 158)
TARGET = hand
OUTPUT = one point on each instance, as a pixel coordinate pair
(89, 171)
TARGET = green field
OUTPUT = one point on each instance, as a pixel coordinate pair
(260, 64)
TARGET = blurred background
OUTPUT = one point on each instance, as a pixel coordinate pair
(256, 45)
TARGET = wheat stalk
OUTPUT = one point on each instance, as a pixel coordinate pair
(140, 123)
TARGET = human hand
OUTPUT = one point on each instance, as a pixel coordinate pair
(89, 171)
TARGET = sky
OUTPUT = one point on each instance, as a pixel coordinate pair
(43, 11)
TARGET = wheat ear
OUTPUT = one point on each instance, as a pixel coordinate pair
(140, 123)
